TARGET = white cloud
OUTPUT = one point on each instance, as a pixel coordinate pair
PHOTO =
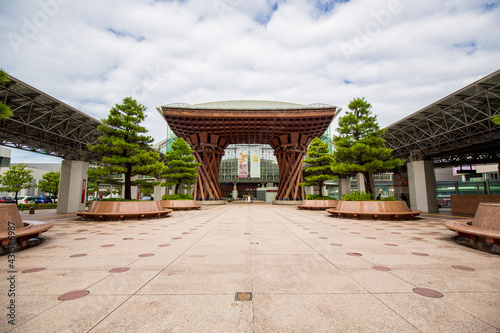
(401, 55)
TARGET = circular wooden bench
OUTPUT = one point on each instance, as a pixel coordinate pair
(483, 229)
(16, 234)
(179, 204)
(318, 204)
(392, 210)
(121, 210)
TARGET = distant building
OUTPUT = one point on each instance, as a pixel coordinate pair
(37, 171)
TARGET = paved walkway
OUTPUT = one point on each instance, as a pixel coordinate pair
(308, 272)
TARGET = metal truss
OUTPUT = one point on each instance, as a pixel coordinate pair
(45, 125)
(455, 130)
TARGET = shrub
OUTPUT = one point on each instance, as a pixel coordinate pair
(318, 197)
(36, 206)
(357, 196)
(177, 197)
(118, 199)
(391, 198)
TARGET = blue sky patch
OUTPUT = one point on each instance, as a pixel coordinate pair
(124, 34)
(487, 7)
(264, 18)
(469, 48)
(327, 5)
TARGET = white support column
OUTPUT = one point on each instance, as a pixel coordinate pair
(344, 186)
(309, 190)
(158, 189)
(235, 192)
(72, 186)
(134, 190)
(422, 186)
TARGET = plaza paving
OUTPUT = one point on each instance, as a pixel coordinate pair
(307, 272)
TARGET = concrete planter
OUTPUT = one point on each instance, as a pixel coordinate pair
(23, 232)
(393, 210)
(483, 232)
(109, 210)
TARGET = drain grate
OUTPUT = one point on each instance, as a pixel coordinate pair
(243, 296)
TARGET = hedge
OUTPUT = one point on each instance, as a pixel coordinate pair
(36, 206)
(177, 197)
(318, 197)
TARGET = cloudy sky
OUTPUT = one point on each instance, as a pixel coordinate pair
(401, 55)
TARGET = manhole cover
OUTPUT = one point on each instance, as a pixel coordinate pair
(243, 296)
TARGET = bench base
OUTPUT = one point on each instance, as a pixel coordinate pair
(98, 216)
(374, 215)
(478, 238)
(24, 237)
(313, 207)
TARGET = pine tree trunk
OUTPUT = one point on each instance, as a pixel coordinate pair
(177, 186)
(128, 184)
(368, 183)
(320, 188)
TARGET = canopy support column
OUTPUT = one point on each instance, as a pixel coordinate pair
(290, 150)
(208, 151)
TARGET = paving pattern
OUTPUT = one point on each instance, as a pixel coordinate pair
(300, 271)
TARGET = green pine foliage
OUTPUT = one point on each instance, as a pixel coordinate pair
(99, 176)
(147, 187)
(181, 166)
(359, 146)
(5, 110)
(126, 150)
(50, 182)
(496, 119)
(16, 178)
(318, 165)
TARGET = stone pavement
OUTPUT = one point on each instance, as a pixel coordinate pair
(307, 272)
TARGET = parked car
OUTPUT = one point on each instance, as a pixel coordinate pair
(7, 200)
(41, 200)
(147, 198)
(25, 200)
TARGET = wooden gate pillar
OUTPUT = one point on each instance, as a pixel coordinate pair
(290, 150)
(208, 151)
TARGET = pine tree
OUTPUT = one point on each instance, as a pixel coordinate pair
(124, 147)
(16, 178)
(100, 177)
(318, 165)
(359, 146)
(50, 182)
(5, 110)
(147, 187)
(181, 166)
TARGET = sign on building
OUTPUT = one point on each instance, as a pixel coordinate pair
(255, 163)
(242, 164)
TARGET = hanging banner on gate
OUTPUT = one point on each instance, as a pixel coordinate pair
(255, 164)
(242, 164)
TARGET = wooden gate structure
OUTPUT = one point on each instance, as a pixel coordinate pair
(210, 127)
